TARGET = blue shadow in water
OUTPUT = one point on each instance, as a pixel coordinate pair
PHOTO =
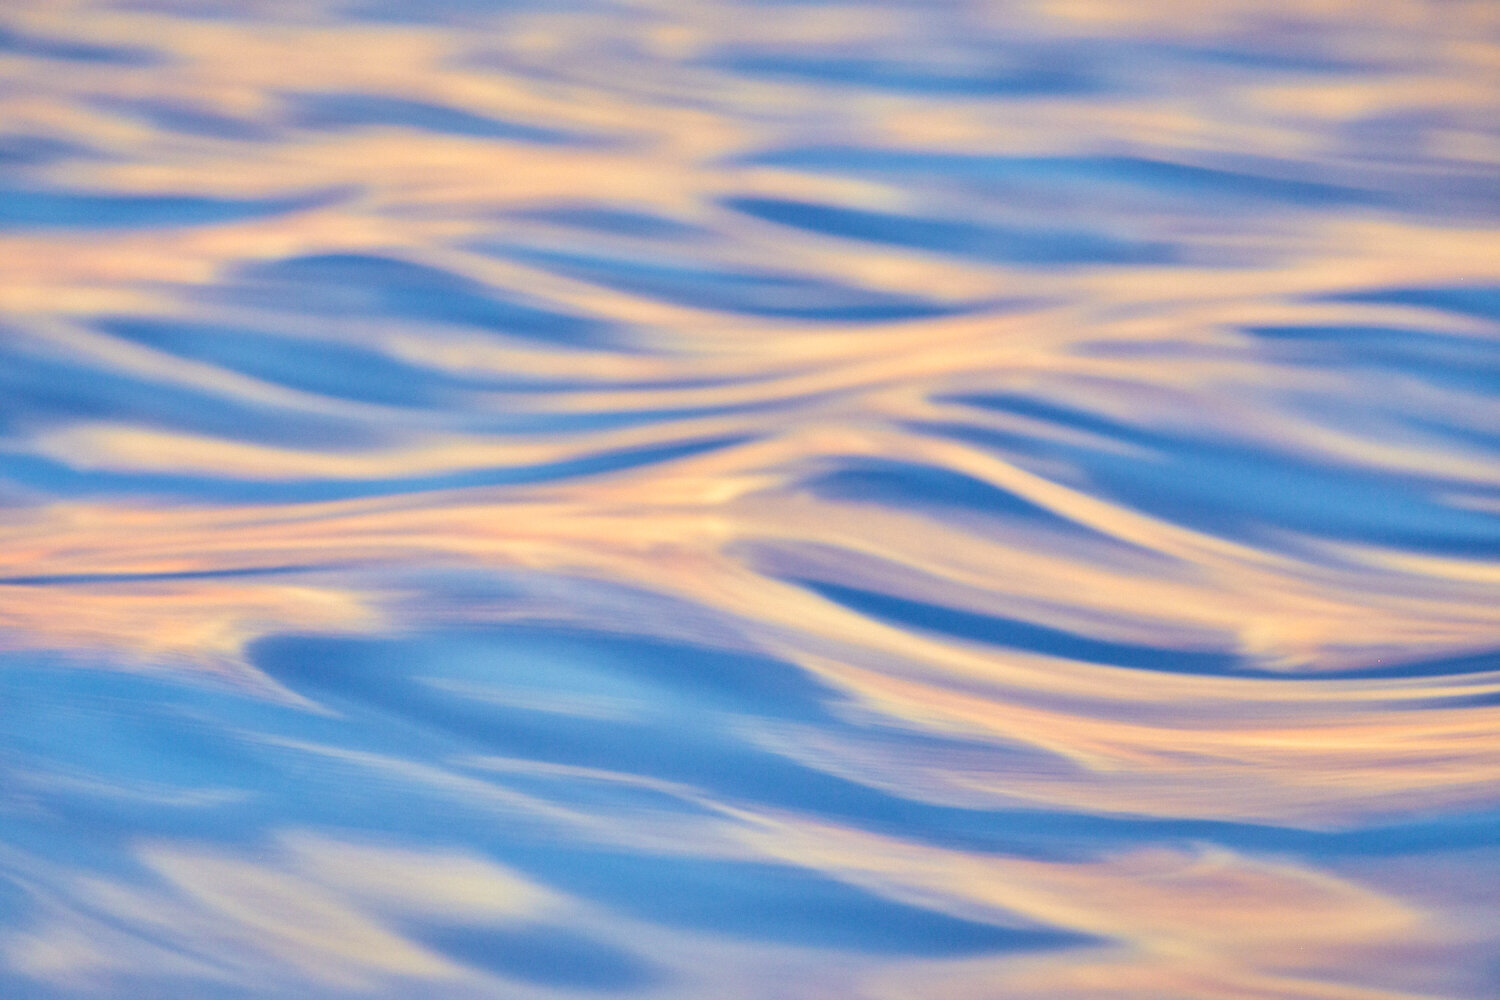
(1017, 634)
(684, 711)
(928, 489)
(662, 677)
(69, 579)
(348, 371)
(1449, 360)
(39, 391)
(1086, 174)
(1231, 488)
(184, 119)
(754, 293)
(38, 208)
(688, 698)
(154, 986)
(1482, 301)
(961, 239)
(611, 221)
(55, 477)
(387, 287)
(1038, 76)
(18, 43)
(330, 111)
(449, 11)
(1052, 413)
(1459, 664)
(1260, 58)
(324, 367)
(148, 735)
(550, 956)
(125, 733)
(564, 422)
(19, 149)
(778, 903)
(689, 732)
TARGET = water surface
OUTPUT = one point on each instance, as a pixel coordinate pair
(749, 500)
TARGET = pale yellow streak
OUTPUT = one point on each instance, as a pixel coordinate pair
(1319, 771)
(115, 447)
(315, 931)
(174, 624)
(1235, 924)
(444, 884)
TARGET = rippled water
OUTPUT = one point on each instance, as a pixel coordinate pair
(749, 500)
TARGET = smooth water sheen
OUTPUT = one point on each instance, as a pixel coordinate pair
(768, 500)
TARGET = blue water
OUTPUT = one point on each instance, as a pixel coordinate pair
(764, 500)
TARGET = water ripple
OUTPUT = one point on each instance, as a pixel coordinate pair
(753, 499)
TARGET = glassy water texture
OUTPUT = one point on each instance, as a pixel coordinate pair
(749, 500)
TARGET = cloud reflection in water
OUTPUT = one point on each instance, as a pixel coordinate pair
(749, 500)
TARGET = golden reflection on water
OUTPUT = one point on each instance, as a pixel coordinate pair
(1094, 404)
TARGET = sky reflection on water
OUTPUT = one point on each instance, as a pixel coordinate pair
(750, 500)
